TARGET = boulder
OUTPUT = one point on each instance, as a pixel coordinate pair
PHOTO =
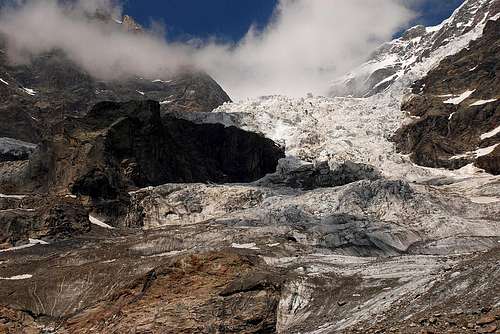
(296, 174)
(42, 218)
(14, 150)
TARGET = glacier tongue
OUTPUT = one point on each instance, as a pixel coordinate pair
(359, 128)
(336, 130)
(320, 128)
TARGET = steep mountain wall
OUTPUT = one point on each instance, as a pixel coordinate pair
(456, 109)
(419, 49)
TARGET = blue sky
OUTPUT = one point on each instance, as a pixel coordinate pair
(229, 20)
(433, 12)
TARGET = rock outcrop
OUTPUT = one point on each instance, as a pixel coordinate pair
(490, 162)
(307, 176)
(121, 146)
(456, 109)
(47, 218)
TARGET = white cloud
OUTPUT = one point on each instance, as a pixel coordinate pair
(307, 43)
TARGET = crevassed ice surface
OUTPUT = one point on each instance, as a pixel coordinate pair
(357, 129)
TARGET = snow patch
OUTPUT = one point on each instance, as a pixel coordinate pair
(485, 151)
(162, 81)
(481, 102)
(17, 278)
(490, 134)
(3, 81)
(32, 242)
(29, 91)
(245, 246)
(433, 29)
(141, 190)
(12, 196)
(496, 17)
(477, 153)
(100, 223)
(459, 99)
(171, 253)
(108, 261)
(142, 93)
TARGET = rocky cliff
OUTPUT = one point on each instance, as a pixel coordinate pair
(456, 109)
(51, 87)
(120, 147)
(130, 146)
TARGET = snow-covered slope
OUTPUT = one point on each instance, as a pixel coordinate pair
(417, 51)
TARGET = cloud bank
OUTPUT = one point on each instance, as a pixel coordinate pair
(306, 44)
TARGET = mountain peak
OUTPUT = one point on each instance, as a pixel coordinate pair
(131, 25)
(419, 45)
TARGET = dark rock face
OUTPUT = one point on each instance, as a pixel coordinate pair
(490, 162)
(226, 154)
(449, 134)
(322, 176)
(51, 87)
(41, 218)
(311, 176)
(15, 150)
(118, 146)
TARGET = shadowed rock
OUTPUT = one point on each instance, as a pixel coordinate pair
(118, 147)
(41, 218)
(295, 174)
